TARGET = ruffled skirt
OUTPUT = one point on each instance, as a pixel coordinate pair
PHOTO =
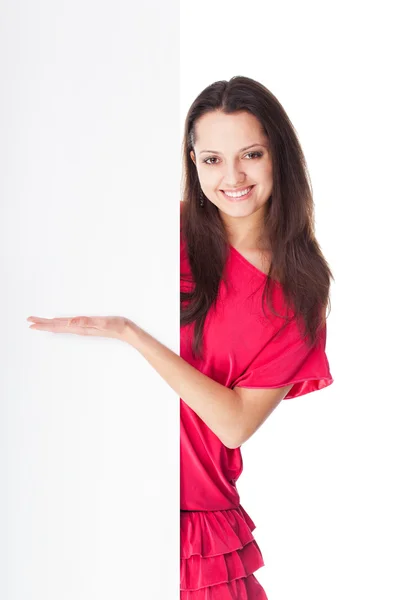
(219, 556)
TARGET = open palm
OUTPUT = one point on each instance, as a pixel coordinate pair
(111, 327)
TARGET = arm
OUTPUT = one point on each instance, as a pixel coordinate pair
(233, 415)
(258, 404)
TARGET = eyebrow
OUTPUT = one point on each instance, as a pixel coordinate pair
(241, 149)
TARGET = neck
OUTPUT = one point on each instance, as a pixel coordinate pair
(245, 232)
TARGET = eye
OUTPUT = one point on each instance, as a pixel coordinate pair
(253, 154)
(257, 154)
(210, 158)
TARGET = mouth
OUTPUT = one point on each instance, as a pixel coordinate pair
(238, 196)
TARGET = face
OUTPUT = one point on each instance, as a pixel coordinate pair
(226, 163)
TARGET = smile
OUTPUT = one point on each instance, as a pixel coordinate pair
(235, 196)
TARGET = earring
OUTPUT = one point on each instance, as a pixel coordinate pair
(201, 198)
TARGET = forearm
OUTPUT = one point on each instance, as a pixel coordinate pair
(218, 406)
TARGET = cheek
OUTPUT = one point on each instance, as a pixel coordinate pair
(263, 170)
(261, 175)
(209, 178)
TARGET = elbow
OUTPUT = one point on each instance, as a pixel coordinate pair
(233, 446)
(237, 438)
(233, 441)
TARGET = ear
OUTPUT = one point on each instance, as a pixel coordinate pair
(192, 156)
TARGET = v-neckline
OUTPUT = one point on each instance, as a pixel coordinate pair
(250, 265)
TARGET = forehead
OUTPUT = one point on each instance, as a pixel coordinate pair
(217, 131)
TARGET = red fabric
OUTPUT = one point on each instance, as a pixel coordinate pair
(241, 348)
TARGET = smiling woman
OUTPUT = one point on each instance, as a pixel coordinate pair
(233, 172)
(254, 288)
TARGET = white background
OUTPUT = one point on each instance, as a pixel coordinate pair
(90, 168)
(321, 476)
(89, 224)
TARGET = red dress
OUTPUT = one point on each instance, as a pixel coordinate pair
(219, 554)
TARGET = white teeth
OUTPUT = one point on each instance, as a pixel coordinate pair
(238, 194)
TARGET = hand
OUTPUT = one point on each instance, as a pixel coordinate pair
(119, 328)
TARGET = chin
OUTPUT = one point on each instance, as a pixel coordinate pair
(238, 210)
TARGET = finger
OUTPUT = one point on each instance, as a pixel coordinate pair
(64, 321)
(50, 326)
(99, 323)
(37, 319)
(63, 328)
(43, 320)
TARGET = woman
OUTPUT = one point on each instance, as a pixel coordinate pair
(254, 291)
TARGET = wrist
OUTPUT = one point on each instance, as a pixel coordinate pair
(132, 334)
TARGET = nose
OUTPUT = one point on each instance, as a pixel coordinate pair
(234, 176)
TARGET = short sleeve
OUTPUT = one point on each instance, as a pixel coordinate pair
(289, 360)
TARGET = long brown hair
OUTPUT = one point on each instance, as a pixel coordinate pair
(297, 260)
